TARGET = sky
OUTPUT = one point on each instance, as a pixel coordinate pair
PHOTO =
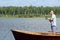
(29, 2)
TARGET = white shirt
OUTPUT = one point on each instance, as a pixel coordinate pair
(54, 19)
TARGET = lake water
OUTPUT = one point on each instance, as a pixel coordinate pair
(27, 24)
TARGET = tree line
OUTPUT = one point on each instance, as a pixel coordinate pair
(12, 10)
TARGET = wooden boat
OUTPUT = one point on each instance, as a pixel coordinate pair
(26, 35)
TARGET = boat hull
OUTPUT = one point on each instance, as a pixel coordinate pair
(24, 36)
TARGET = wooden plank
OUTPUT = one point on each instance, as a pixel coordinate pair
(49, 33)
(26, 35)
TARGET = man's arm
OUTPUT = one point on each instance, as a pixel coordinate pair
(50, 19)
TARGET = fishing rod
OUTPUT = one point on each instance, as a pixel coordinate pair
(48, 18)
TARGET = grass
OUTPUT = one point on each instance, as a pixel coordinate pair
(58, 16)
(26, 16)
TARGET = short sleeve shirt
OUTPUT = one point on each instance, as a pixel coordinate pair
(54, 19)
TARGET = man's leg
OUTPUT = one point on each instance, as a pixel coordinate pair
(53, 28)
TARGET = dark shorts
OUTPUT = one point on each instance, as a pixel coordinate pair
(53, 28)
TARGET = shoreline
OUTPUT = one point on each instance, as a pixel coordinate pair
(26, 16)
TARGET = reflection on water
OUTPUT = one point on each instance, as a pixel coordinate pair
(28, 24)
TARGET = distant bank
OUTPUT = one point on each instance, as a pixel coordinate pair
(28, 11)
(26, 16)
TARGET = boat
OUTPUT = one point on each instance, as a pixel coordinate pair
(27, 35)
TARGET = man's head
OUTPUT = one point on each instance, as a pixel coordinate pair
(51, 12)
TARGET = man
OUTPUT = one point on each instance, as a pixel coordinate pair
(53, 21)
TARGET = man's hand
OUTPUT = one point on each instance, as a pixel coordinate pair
(50, 19)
